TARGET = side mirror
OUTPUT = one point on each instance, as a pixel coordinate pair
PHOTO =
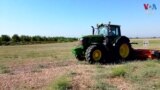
(93, 30)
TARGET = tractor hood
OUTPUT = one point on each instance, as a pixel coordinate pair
(88, 40)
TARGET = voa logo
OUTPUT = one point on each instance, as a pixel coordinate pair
(150, 7)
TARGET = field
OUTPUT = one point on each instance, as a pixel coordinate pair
(53, 67)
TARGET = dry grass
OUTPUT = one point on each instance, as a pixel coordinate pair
(37, 67)
(153, 43)
(32, 53)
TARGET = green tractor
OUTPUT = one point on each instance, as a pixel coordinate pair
(104, 45)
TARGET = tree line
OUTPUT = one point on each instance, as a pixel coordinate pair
(25, 39)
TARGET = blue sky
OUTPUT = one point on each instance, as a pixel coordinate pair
(73, 18)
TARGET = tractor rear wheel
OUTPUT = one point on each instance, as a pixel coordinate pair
(94, 53)
(123, 50)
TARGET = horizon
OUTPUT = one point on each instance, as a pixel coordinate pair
(73, 18)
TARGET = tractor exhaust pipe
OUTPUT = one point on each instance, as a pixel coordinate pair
(93, 30)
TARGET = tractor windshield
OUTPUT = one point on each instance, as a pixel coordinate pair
(103, 31)
(109, 31)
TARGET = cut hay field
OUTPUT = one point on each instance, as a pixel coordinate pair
(53, 67)
(152, 43)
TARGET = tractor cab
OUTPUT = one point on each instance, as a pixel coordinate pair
(107, 30)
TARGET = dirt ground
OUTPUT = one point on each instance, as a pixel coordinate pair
(38, 76)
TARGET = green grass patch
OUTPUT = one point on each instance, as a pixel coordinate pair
(142, 75)
(4, 69)
(102, 73)
(102, 85)
(119, 71)
(61, 83)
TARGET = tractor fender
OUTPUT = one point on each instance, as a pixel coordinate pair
(100, 45)
(121, 39)
(105, 49)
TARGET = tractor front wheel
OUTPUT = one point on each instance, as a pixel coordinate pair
(94, 53)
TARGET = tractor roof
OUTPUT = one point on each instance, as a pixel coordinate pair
(106, 25)
(115, 25)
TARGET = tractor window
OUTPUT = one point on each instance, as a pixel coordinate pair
(103, 31)
(117, 31)
(114, 31)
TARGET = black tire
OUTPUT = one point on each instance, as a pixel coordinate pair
(123, 50)
(94, 53)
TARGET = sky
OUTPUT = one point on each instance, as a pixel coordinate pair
(74, 18)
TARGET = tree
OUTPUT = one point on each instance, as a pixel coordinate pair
(37, 38)
(16, 38)
(0, 41)
(25, 38)
(5, 39)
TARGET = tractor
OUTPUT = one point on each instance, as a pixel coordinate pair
(106, 44)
